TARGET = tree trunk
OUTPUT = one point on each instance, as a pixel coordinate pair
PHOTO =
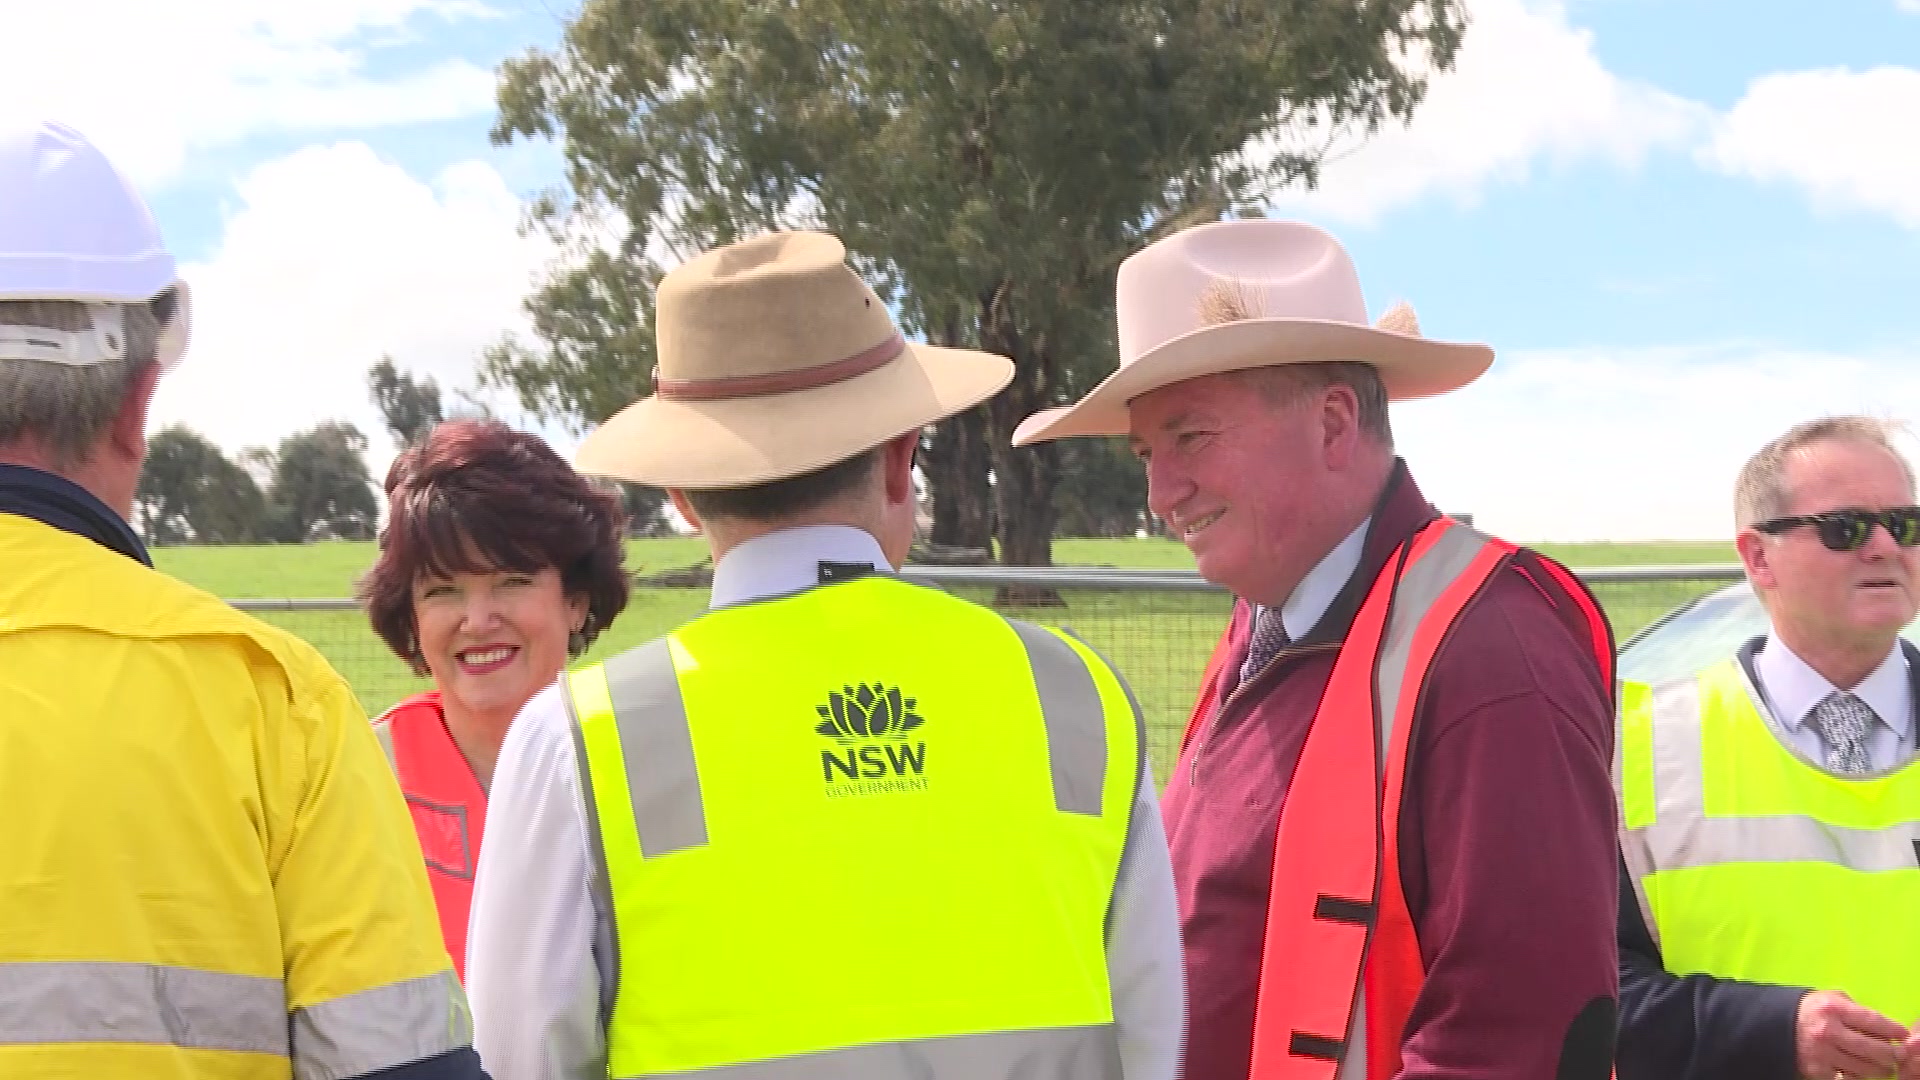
(955, 462)
(1023, 489)
(1023, 477)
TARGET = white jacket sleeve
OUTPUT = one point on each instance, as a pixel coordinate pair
(1144, 963)
(534, 951)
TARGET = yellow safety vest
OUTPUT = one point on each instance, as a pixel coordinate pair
(206, 868)
(864, 830)
(1752, 863)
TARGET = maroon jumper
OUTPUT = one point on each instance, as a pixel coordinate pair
(1508, 855)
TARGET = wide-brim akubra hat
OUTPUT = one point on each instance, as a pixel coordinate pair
(774, 359)
(1243, 294)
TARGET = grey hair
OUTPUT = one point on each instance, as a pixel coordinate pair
(1287, 384)
(1760, 494)
(67, 409)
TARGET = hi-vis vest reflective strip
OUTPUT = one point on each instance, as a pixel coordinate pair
(865, 830)
(448, 806)
(1340, 965)
(1753, 863)
(46, 1003)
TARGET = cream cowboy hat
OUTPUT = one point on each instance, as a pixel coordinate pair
(1245, 294)
(776, 360)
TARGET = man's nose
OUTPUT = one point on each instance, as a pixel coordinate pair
(1167, 487)
(1880, 542)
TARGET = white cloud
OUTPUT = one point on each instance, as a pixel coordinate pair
(335, 258)
(154, 82)
(1599, 445)
(1907, 5)
(1844, 136)
(1526, 87)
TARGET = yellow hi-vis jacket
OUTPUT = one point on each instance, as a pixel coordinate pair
(1752, 863)
(864, 830)
(206, 869)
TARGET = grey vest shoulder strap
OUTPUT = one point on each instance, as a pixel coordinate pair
(383, 730)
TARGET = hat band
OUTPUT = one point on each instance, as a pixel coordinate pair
(782, 382)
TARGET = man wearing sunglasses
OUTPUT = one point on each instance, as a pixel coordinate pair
(1770, 903)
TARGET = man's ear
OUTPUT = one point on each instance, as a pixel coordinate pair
(896, 461)
(127, 434)
(685, 506)
(1339, 418)
(1754, 556)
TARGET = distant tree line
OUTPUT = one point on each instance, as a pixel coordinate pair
(315, 485)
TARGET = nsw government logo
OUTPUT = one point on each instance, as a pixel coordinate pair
(875, 753)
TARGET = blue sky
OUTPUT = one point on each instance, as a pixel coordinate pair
(1682, 225)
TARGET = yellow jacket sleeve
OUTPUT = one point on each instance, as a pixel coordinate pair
(365, 962)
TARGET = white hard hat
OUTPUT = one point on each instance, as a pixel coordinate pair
(72, 228)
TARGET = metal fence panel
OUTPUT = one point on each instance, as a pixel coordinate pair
(1156, 627)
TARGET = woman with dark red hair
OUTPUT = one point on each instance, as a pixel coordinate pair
(498, 564)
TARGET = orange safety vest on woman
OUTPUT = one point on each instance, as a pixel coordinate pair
(1340, 967)
(448, 804)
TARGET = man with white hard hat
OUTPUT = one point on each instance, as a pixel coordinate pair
(209, 870)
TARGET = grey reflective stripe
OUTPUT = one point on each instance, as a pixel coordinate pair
(106, 1002)
(663, 781)
(606, 943)
(1353, 1059)
(1718, 841)
(1418, 589)
(1683, 836)
(380, 1028)
(1074, 716)
(1082, 1053)
(383, 730)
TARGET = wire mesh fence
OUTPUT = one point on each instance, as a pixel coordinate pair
(1157, 627)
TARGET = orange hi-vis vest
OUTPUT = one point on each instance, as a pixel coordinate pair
(1340, 968)
(448, 805)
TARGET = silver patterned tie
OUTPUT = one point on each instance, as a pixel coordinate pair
(1269, 637)
(1842, 720)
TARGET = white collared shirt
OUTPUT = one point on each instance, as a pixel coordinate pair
(1309, 601)
(1793, 689)
(539, 956)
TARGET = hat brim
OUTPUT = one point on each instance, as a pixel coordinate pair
(704, 445)
(1410, 367)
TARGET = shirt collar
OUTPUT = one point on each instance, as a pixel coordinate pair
(1317, 591)
(1794, 688)
(62, 504)
(788, 560)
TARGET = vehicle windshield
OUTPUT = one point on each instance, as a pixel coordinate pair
(1710, 630)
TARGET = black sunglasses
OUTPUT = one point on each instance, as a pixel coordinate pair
(1847, 530)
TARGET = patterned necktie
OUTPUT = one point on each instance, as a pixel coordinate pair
(1269, 637)
(1842, 720)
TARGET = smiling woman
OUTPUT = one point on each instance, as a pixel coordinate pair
(498, 563)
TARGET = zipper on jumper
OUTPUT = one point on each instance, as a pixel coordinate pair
(1220, 714)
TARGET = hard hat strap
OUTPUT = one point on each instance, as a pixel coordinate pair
(106, 340)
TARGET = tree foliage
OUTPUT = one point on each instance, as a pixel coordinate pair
(1102, 490)
(190, 492)
(321, 487)
(410, 406)
(989, 164)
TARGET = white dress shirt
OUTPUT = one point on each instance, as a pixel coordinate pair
(539, 956)
(1309, 601)
(1792, 689)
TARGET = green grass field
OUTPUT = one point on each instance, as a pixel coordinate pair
(1159, 640)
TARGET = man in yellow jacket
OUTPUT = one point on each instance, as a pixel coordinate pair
(207, 868)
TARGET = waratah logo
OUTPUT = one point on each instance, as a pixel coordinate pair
(869, 711)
